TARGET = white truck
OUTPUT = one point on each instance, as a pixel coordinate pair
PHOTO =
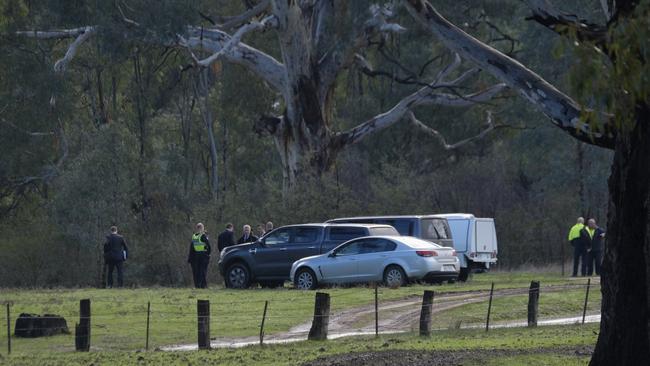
(475, 241)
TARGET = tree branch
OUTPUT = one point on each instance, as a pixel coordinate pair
(261, 64)
(229, 22)
(567, 24)
(269, 21)
(81, 34)
(424, 96)
(436, 134)
(61, 64)
(563, 111)
(342, 57)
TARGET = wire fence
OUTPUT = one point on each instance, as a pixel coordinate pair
(125, 324)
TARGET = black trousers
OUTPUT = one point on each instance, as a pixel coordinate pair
(579, 257)
(200, 271)
(120, 275)
(594, 258)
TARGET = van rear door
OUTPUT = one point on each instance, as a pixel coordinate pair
(485, 241)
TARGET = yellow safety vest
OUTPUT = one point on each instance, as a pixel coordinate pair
(198, 245)
(575, 231)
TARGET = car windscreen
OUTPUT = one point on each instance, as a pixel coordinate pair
(378, 231)
(432, 229)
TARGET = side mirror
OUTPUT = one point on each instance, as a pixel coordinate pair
(332, 254)
(262, 242)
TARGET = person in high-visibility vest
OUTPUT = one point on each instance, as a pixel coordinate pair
(579, 250)
(199, 256)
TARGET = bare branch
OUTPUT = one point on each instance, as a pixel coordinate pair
(235, 21)
(61, 64)
(563, 111)
(435, 133)
(424, 96)
(124, 18)
(30, 133)
(269, 21)
(567, 24)
(263, 65)
(53, 34)
(448, 69)
(342, 57)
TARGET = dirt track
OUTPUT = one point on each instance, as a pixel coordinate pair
(395, 317)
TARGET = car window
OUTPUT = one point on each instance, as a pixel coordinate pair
(278, 237)
(403, 226)
(345, 233)
(305, 235)
(388, 231)
(434, 229)
(377, 245)
(350, 248)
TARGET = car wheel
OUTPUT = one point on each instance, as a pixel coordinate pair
(463, 275)
(305, 279)
(394, 276)
(237, 276)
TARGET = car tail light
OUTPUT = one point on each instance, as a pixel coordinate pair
(472, 254)
(426, 253)
(494, 254)
(453, 252)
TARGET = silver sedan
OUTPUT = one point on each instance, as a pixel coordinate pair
(389, 259)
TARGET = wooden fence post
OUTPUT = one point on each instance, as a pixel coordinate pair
(584, 309)
(376, 312)
(82, 329)
(266, 305)
(8, 330)
(487, 320)
(321, 320)
(146, 346)
(533, 303)
(203, 319)
(425, 313)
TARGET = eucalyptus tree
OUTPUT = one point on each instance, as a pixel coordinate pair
(615, 71)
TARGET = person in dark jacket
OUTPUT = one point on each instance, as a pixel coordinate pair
(592, 236)
(199, 256)
(247, 236)
(115, 253)
(226, 238)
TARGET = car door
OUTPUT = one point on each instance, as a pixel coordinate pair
(270, 256)
(305, 242)
(374, 253)
(342, 266)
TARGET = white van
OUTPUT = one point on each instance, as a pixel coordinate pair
(475, 241)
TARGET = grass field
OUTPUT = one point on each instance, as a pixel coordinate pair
(119, 315)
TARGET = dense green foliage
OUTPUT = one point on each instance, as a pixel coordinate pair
(119, 139)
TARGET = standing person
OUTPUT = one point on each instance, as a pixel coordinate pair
(260, 230)
(226, 238)
(579, 250)
(199, 256)
(269, 226)
(115, 253)
(247, 237)
(593, 236)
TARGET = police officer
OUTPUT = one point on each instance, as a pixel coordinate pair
(579, 250)
(199, 256)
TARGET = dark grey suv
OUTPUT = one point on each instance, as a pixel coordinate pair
(268, 260)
